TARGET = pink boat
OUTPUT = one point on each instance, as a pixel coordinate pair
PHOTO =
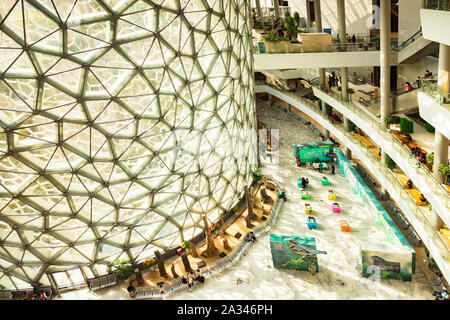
(335, 207)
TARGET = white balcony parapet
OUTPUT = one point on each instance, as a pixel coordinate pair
(433, 190)
(435, 25)
(412, 212)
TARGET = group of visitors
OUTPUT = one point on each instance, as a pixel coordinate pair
(305, 182)
(408, 86)
(443, 295)
(35, 295)
(428, 74)
(333, 80)
(191, 277)
(250, 237)
(421, 156)
(349, 39)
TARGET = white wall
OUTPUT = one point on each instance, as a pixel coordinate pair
(408, 18)
(356, 12)
(409, 72)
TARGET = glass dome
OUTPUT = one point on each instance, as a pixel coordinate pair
(122, 122)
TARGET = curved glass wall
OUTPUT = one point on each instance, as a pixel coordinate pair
(122, 122)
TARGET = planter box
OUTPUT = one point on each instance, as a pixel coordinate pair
(277, 47)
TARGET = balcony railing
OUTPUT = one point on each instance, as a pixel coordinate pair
(432, 88)
(416, 215)
(287, 47)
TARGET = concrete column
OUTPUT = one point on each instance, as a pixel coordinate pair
(444, 67)
(260, 14)
(318, 15)
(308, 14)
(276, 6)
(344, 83)
(322, 77)
(440, 141)
(385, 59)
(342, 28)
(440, 154)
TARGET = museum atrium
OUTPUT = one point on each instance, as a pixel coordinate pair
(146, 144)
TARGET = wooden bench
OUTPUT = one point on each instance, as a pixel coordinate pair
(376, 153)
(6, 295)
(402, 178)
(416, 195)
(364, 140)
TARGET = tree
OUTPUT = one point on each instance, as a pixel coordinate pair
(123, 270)
(390, 163)
(289, 24)
(444, 169)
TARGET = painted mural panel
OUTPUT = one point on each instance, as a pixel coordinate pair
(381, 262)
(294, 252)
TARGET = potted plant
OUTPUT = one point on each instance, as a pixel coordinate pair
(444, 170)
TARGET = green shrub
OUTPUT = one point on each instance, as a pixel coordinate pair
(429, 128)
(185, 245)
(444, 169)
(434, 267)
(390, 163)
(328, 109)
(257, 174)
(123, 270)
(392, 120)
(274, 38)
(351, 126)
(430, 158)
(427, 253)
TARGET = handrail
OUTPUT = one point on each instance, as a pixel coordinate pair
(431, 88)
(408, 41)
(401, 148)
(436, 4)
(175, 285)
(414, 209)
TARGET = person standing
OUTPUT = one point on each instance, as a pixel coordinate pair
(332, 168)
(320, 167)
(419, 82)
(354, 39)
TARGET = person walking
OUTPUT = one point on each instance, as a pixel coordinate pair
(354, 39)
(320, 167)
(332, 168)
